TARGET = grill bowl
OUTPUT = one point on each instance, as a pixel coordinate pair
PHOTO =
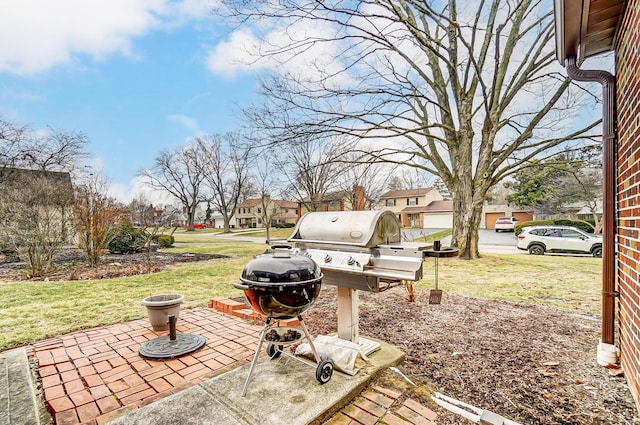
(281, 285)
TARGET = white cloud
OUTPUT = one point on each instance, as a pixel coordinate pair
(237, 53)
(126, 193)
(23, 96)
(244, 51)
(186, 121)
(36, 35)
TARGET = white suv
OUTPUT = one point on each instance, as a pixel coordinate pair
(506, 223)
(540, 239)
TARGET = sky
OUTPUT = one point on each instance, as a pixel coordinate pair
(136, 76)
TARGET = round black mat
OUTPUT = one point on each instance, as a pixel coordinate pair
(163, 348)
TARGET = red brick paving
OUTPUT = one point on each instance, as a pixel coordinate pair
(91, 373)
(92, 376)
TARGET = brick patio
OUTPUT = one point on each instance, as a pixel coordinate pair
(95, 375)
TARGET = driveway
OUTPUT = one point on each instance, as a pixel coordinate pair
(489, 240)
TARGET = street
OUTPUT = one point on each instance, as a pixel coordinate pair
(489, 240)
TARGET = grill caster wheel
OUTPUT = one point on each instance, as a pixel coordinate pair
(324, 371)
(274, 351)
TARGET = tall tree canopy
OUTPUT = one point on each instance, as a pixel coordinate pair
(224, 164)
(565, 182)
(463, 90)
(180, 173)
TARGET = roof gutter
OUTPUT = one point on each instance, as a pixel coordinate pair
(609, 142)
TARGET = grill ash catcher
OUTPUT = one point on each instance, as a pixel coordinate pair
(357, 250)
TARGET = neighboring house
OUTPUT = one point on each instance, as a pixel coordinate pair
(252, 212)
(490, 213)
(216, 221)
(419, 208)
(345, 200)
(27, 189)
(586, 28)
(147, 216)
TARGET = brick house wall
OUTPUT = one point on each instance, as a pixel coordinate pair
(628, 193)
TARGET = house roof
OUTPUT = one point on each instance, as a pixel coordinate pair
(433, 207)
(9, 173)
(252, 202)
(586, 27)
(285, 204)
(249, 203)
(333, 196)
(406, 192)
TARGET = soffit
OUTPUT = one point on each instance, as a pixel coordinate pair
(586, 28)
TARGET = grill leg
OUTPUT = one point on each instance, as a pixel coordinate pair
(306, 334)
(255, 356)
(348, 314)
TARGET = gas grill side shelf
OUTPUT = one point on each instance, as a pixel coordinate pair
(371, 280)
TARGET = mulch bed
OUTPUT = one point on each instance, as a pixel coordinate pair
(531, 364)
(71, 264)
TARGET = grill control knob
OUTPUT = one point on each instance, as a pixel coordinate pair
(327, 258)
(351, 261)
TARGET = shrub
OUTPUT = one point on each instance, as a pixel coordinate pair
(584, 225)
(165, 241)
(128, 240)
(284, 225)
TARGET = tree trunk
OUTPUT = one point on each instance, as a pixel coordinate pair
(191, 213)
(226, 219)
(597, 223)
(467, 215)
(466, 221)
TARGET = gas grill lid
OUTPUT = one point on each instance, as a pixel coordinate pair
(355, 228)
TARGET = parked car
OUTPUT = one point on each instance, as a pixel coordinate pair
(540, 239)
(507, 224)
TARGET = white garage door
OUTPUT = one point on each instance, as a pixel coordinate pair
(438, 221)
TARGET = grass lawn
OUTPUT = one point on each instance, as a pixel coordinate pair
(36, 310)
(572, 284)
(31, 311)
(273, 233)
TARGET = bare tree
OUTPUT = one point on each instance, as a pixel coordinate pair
(12, 138)
(33, 207)
(140, 208)
(311, 168)
(36, 191)
(366, 181)
(49, 150)
(96, 217)
(180, 173)
(265, 182)
(585, 186)
(464, 91)
(225, 169)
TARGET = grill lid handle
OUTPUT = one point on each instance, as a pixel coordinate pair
(281, 250)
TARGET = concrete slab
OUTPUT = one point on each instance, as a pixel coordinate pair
(281, 391)
(18, 402)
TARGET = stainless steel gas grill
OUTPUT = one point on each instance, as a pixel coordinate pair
(357, 250)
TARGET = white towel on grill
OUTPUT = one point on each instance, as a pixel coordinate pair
(343, 353)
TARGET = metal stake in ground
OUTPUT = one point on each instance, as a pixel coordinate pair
(435, 295)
